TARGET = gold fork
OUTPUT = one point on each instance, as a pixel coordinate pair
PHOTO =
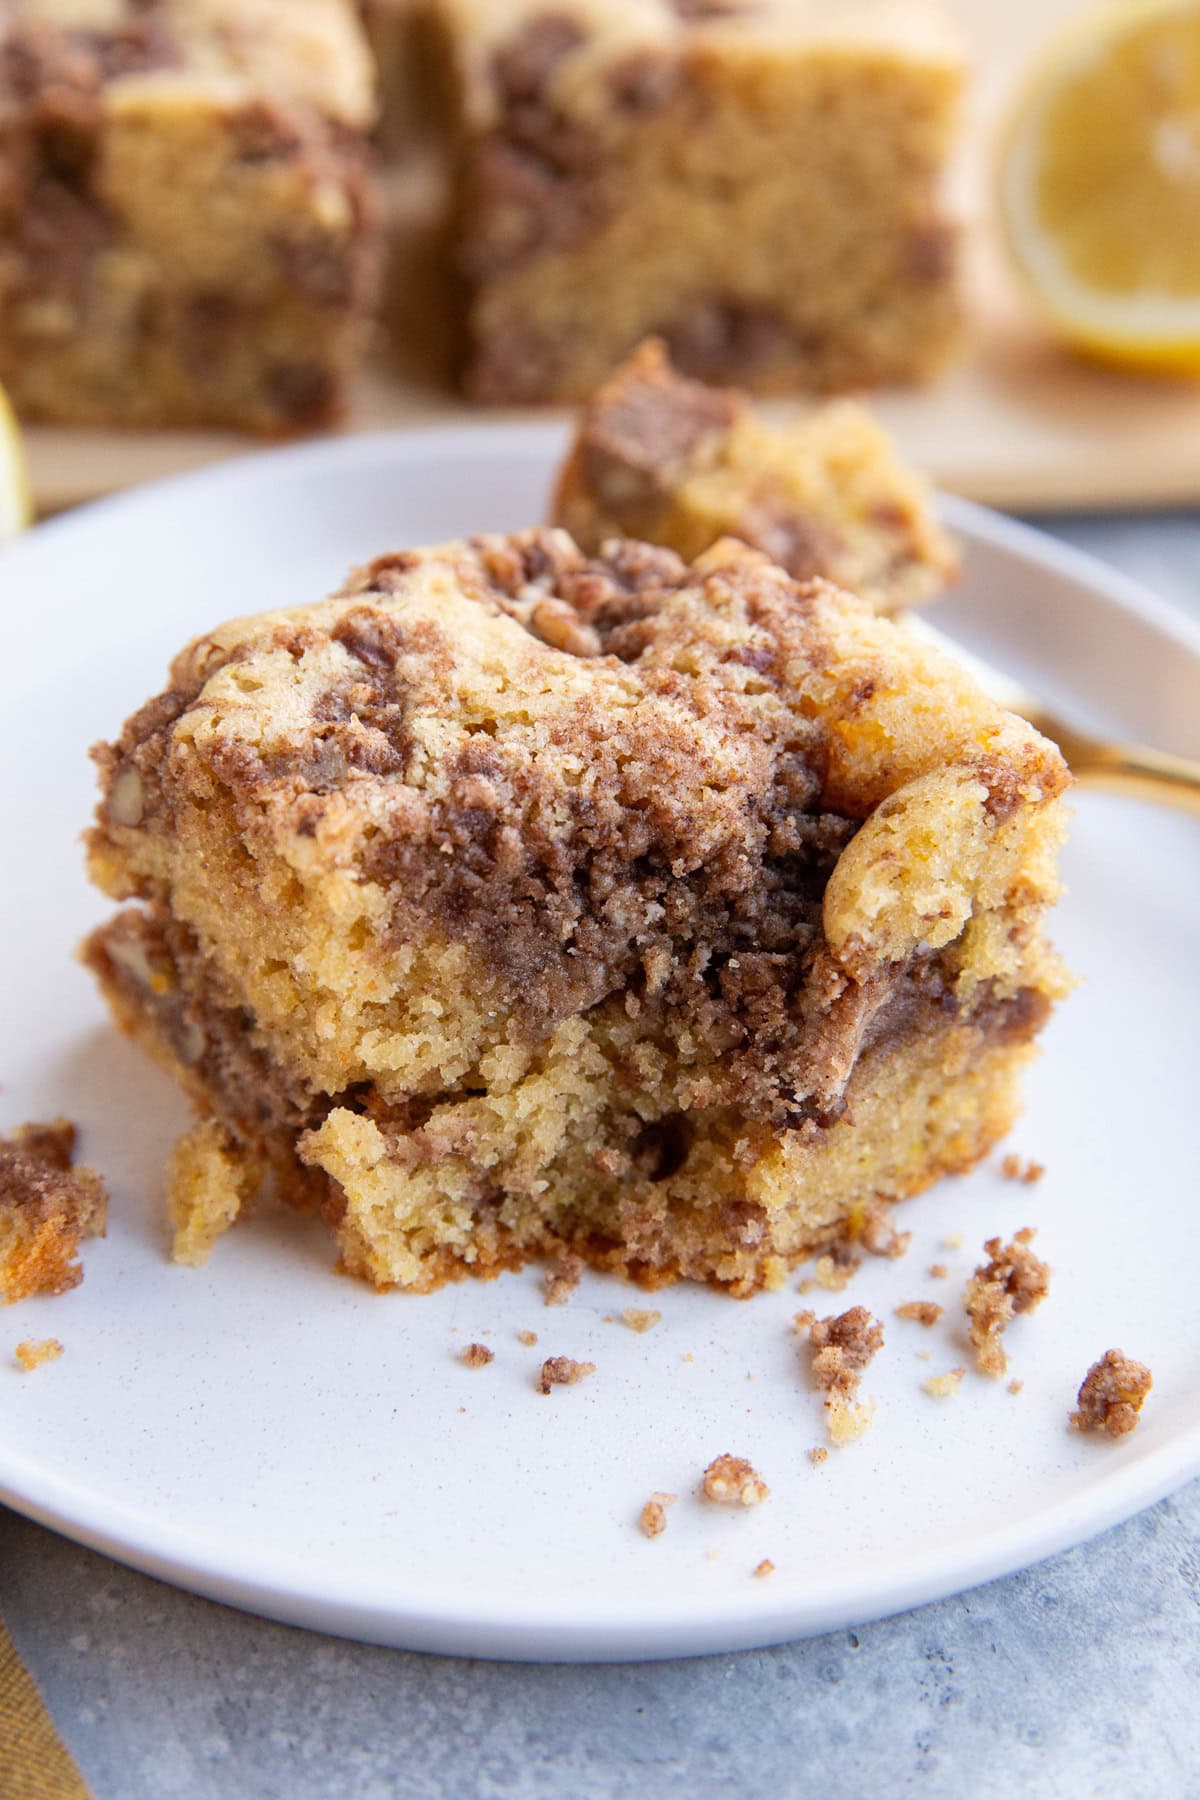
(1132, 769)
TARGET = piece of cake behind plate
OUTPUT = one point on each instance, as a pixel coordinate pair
(513, 899)
(660, 457)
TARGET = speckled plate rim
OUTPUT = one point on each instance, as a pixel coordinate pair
(547, 1628)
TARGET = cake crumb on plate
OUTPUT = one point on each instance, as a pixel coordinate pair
(765, 1567)
(943, 1387)
(31, 1353)
(476, 1356)
(561, 1279)
(562, 1371)
(818, 1455)
(924, 1312)
(1014, 1169)
(653, 1516)
(1013, 1280)
(527, 1338)
(1112, 1395)
(639, 1318)
(732, 1481)
(938, 1271)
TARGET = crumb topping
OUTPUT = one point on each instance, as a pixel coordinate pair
(925, 1312)
(1112, 1395)
(33, 1352)
(653, 1517)
(732, 1481)
(842, 1347)
(562, 1371)
(1013, 1280)
(477, 1356)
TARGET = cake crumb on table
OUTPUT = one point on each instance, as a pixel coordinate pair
(476, 1356)
(938, 1271)
(562, 1278)
(562, 1371)
(765, 1567)
(33, 1352)
(1014, 1169)
(732, 1481)
(1112, 1395)
(527, 1337)
(818, 1455)
(925, 1312)
(943, 1387)
(1013, 1280)
(639, 1319)
(653, 1517)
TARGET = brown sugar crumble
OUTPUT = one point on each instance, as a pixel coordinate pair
(561, 1279)
(1112, 1395)
(925, 1312)
(47, 1205)
(527, 1338)
(766, 1567)
(1013, 1169)
(653, 1517)
(732, 1481)
(842, 1348)
(943, 1387)
(639, 1319)
(1012, 1281)
(33, 1352)
(476, 1356)
(562, 1371)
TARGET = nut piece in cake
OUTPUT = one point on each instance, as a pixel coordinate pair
(760, 184)
(732, 1481)
(47, 1206)
(186, 225)
(660, 457)
(1112, 1395)
(675, 951)
(1013, 1280)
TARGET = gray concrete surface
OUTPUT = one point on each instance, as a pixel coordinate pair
(1077, 1678)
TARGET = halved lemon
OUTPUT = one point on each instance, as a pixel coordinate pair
(1100, 183)
(15, 507)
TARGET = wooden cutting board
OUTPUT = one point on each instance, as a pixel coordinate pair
(1019, 423)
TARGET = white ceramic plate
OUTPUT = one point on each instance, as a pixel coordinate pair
(271, 1435)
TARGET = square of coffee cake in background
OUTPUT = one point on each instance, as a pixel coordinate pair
(186, 219)
(515, 902)
(757, 181)
(661, 457)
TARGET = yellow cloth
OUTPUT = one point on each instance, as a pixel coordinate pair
(34, 1763)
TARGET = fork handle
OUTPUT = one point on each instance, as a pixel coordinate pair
(1142, 774)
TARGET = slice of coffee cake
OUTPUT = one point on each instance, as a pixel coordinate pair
(513, 901)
